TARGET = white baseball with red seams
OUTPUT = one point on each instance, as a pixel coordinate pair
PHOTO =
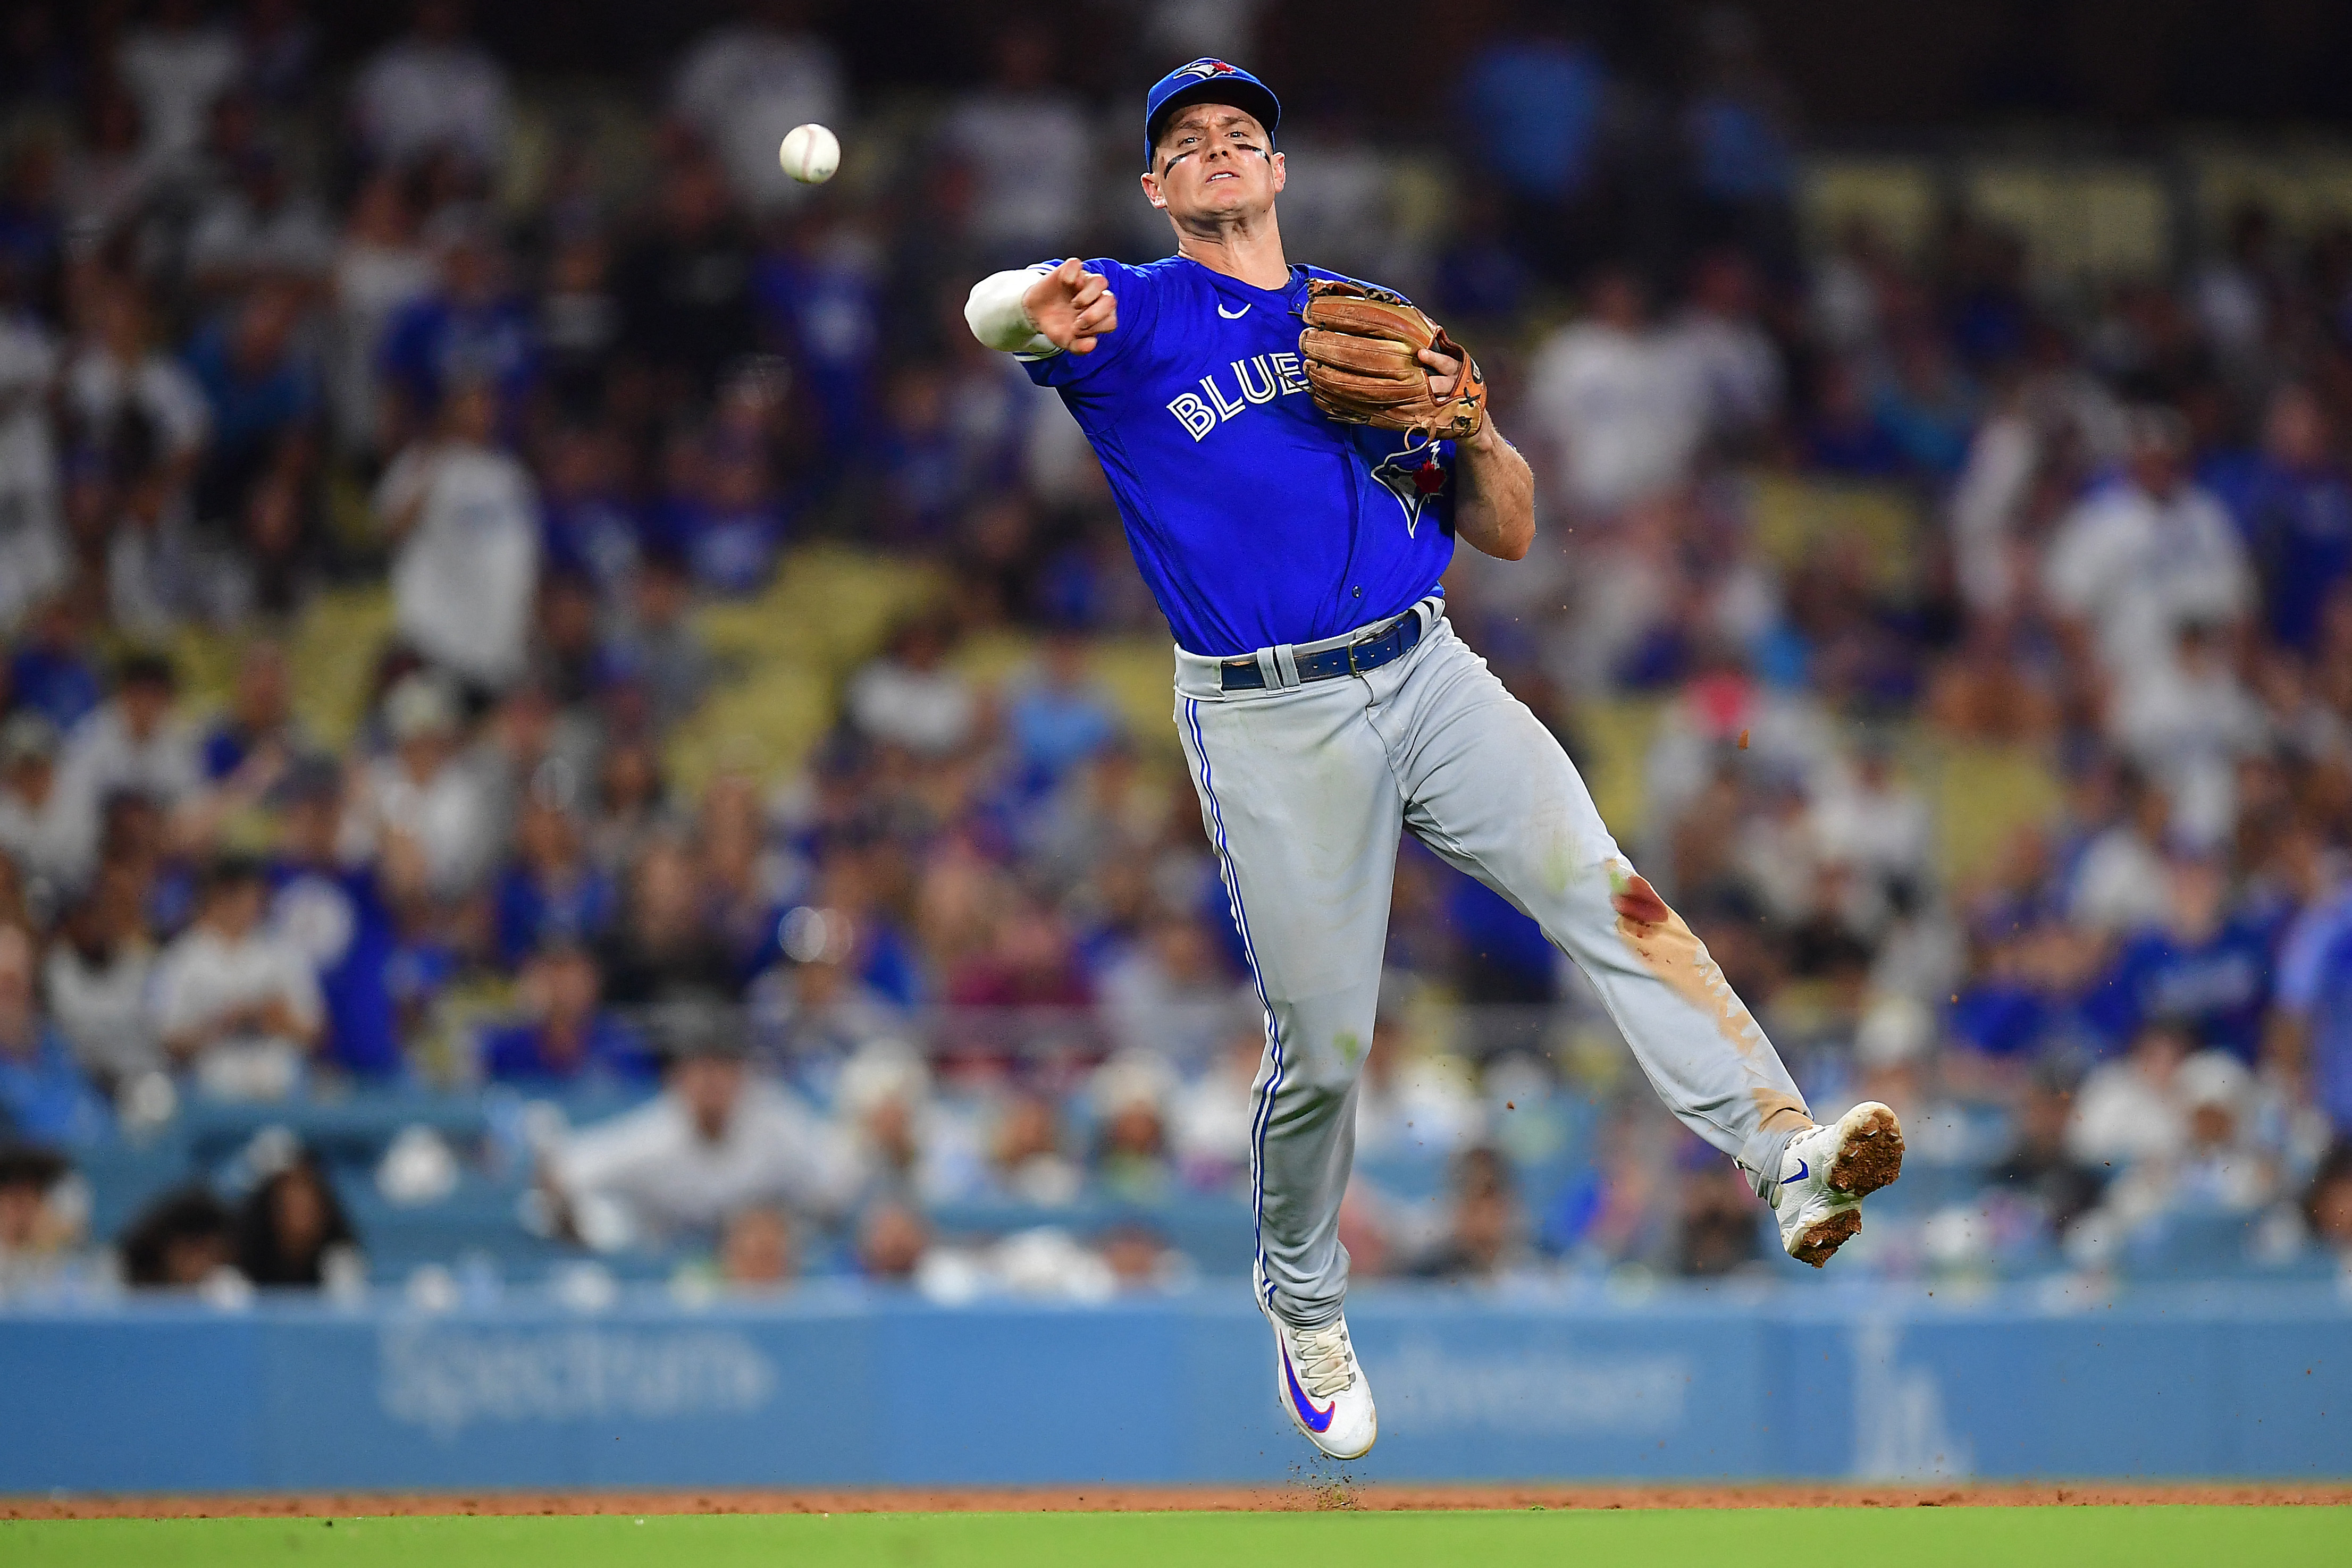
(810, 153)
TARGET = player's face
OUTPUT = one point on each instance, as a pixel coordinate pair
(1213, 162)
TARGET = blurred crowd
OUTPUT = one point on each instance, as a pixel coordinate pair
(278, 326)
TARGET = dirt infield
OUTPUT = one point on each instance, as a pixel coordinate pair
(1303, 1496)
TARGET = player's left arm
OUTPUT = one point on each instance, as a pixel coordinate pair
(1494, 490)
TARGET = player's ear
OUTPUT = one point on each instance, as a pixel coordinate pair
(1151, 191)
(1281, 169)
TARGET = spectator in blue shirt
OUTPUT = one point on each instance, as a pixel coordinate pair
(552, 890)
(473, 329)
(2298, 517)
(1929, 407)
(262, 394)
(1536, 100)
(1060, 717)
(819, 299)
(259, 726)
(336, 915)
(44, 1095)
(589, 528)
(53, 671)
(2329, 1070)
(2206, 970)
(2315, 1003)
(1504, 957)
(1480, 275)
(1737, 133)
(568, 1037)
(1845, 436)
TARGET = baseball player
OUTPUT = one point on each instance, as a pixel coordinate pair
(1292, 496)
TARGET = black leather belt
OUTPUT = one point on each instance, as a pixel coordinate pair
(1369, 652)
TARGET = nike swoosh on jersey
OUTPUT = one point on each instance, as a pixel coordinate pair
(1234, 315)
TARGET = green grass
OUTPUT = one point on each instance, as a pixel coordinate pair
(1662, 1537)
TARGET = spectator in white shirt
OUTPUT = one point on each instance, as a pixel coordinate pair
(2143, 557)
(41, 828)
(745, 83)
(2174, 1126)
(2188, 721)
(714, 1141)
(1621, 407)
(465, 518)
(2120, 881)
(1867, 817)
(122, 376)
(135, 744)
(1727, 351)
(433, 90)
(238, 1004)
(258, 225)
(910, 697)
(1029, 148)
(2128, 1110)
(96, 978)
(424, 794)
(177, 66)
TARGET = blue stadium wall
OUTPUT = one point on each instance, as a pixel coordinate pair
(847, 1390)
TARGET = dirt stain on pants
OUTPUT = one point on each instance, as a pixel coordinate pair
(1671, 950)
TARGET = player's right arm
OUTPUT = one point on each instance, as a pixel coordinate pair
(1033, 313)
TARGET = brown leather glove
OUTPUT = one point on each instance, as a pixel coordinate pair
(1360, 346)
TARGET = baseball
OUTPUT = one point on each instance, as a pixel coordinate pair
(810, 155)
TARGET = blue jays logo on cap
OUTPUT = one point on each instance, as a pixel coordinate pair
(1206, 80)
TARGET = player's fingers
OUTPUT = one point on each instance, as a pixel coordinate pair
(1069, 272)
(1091, 287)
(1099, 317)
(1082, 345)
(1443, 364)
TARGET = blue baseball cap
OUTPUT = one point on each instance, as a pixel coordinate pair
(1206, 81)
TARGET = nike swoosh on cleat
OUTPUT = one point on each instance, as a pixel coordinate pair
(1315, 1420)
(1234, 315)
(1803, 1170)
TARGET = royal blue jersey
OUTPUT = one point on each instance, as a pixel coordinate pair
(1255, 521)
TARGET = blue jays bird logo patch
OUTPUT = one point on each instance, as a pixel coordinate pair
(1412, 476)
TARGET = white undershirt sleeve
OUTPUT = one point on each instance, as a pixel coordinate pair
(997, 318)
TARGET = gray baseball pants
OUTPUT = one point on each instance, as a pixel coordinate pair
(1304, 789)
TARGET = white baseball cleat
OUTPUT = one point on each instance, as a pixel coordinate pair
(1828, 1172)
(1318, 1380)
